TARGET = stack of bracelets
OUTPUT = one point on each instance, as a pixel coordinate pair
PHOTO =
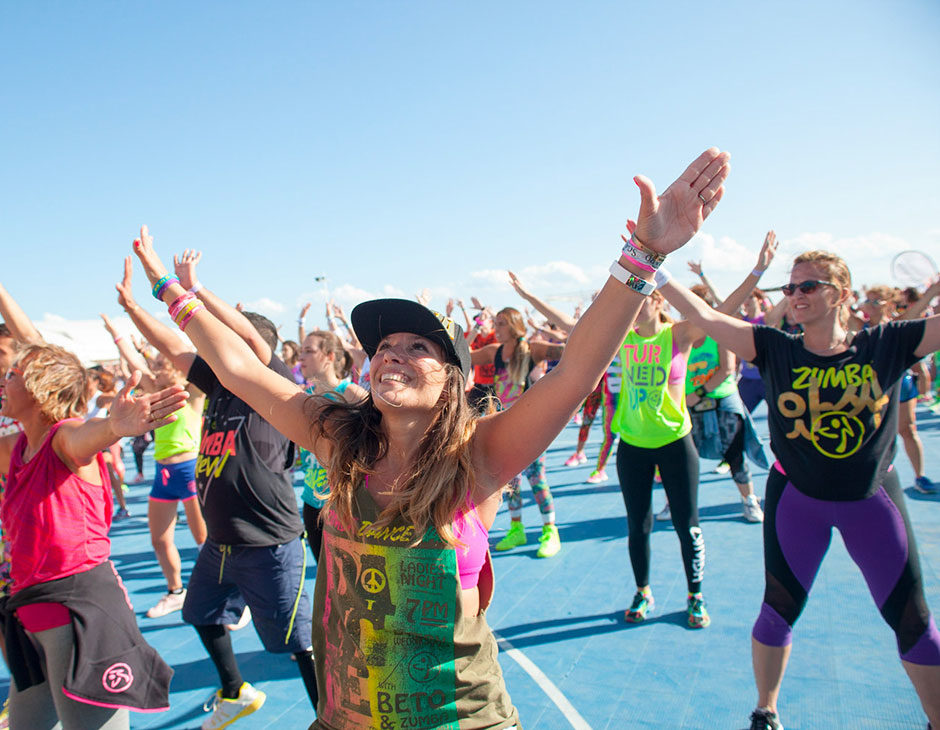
(184, 307)
(643, 258)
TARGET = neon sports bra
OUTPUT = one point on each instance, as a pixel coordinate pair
(475, 536)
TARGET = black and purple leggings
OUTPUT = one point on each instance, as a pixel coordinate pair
(877, 534)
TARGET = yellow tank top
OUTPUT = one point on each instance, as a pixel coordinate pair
(179, 437)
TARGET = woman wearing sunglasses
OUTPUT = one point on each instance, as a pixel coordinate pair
(415, 475)
(833, 418)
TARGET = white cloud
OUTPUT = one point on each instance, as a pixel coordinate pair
(264, 305)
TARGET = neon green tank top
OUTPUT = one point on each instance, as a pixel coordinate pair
(703, 362)
(179, 437)
(647, 414)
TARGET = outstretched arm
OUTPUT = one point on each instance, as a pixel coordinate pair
(280, 401)
(129, 354)
(506, 442)
(130, 415)
(917, 308)
(696, 268)
(561, 319)
(729, 332)
(156, 333)
(930, 342)
(185, 266)
(301, 331)
(21, 326)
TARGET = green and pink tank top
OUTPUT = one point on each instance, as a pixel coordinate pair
(647, 414)
(393, 647)
(703, 362)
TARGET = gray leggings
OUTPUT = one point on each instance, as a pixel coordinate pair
(45, 707)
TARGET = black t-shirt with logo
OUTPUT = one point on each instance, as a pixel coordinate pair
(833, 419)
(244, 471)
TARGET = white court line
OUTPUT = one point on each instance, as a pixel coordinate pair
(547, 686)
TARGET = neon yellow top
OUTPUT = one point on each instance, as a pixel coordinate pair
(647, 414)
(179, 437)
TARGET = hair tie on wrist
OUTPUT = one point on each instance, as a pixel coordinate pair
(758, 273)
(195, 287)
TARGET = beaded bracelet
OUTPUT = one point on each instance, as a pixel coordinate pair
(162, 285)
(634, 249)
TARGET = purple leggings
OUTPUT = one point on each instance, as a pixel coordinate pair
(877, 534)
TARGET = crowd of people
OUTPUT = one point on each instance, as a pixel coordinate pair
(410, 428)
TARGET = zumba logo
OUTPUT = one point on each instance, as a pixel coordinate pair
(422, 667)
(117, 678)
(837, 434)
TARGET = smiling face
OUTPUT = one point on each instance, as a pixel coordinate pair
(824, 301)
(407, 370)
(17, 400)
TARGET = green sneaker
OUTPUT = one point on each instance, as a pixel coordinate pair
(698, 616)
(550, 542)
(642, 604)
(514, 538)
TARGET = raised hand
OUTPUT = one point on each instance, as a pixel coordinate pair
(517, 285)
(666, 222)
(143, 247)
(132, 415)
(306, 308)
(185, 267)
(124, 289)
(108, 326)
(695, 267)
(767, 252)
(450, 307)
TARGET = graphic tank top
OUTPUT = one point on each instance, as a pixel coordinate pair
(392, 645)
(647, 414)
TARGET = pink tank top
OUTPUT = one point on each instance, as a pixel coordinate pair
(61, 521)
(470, 559)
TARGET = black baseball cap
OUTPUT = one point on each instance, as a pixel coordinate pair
(378, 318)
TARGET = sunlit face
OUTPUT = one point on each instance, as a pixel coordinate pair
(314, 361)
(407, 370)
(751, 308)
(165, 374)
(502, 329)
(7, 353)
(650, 310)
(876, 307)
(806, 307)
(17, 400)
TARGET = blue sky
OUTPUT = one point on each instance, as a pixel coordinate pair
(397, 146)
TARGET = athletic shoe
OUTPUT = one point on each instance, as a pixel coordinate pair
(576, 459)
(242, 622)
(597, 476)
(514, 538)
(139, 479)
(125, 488)
(925, 486)
(723, 468)
(642, 604)
(664, 515)
(750, 506)
(550, 542)
(121, 514)
(698, 616)
(762, 719)
(225, 712)
(168, 604)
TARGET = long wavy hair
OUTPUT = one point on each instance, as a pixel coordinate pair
(439, 483)
(518, 365)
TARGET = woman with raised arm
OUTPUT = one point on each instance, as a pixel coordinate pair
(655, 431)
(175, 450)
(416, 476)
(74, 646)
(326, 367)
(833, 413)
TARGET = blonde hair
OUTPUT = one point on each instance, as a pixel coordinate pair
(439, 483)
(518, 365)
(837, 271)
(657, 296)
(55, 378)
(884, 292)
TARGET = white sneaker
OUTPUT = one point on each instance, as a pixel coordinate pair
(168, 604)
(665, 515)
(225, 712)
(750, 506)
(242, 622)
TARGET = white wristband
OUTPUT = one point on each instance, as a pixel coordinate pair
(631, 280)
(195, 287)
(661, 277)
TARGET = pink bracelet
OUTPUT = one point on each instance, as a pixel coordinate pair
(190, 315)
(177, 306)
(638, 263)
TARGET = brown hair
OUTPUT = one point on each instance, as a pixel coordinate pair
(56, 380)
(342, 360)
(518, 365)
(438, 484)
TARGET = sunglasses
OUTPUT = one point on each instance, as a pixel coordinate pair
(874, 302)
(807, 287)
(11, 372)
